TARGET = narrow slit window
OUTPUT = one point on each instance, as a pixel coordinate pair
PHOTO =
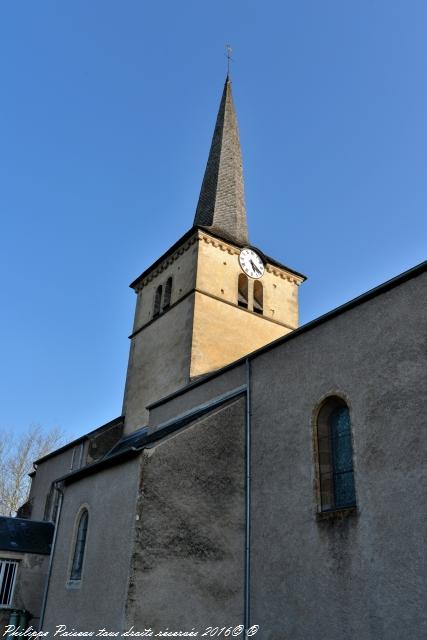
(79, 548)
(8, 570)
(48, 504)
(55, 505)
(258, 297)
(242, 296)
(157, 301)
(168, 294)
(335, 456)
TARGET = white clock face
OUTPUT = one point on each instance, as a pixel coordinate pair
(251, 263)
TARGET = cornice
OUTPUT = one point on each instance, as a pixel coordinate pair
(170, 259)
(284, 275)
(165, 263)
(219, 244)
(197, 233)
(230, 249)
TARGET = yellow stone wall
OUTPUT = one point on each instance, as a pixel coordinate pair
(159, 362)
(204, 329)
(160, 351)
(218, 270)
(223, 333)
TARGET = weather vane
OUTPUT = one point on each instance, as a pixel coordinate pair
(229, 51)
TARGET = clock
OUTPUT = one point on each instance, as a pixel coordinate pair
(251, 263)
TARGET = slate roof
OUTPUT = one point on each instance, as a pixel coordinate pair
(130, 446)
(133, 441)
(25, 536)
(221, 205)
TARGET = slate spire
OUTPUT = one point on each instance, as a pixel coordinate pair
(221, 205)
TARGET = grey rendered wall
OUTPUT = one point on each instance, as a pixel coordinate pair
(47, 472)
(189, 552)
(362, 577)
(197, 395)
(110, 497)
(30, 582)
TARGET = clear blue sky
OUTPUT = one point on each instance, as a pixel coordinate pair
(106, 114)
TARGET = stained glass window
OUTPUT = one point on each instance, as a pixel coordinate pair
(335, 455)
(79, 549)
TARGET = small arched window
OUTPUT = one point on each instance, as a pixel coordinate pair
(258, 297)
(79, 548)
(242, 295)
(335, 452)
(157, 301)
(168, 293)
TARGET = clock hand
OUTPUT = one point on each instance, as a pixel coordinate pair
(255, 267)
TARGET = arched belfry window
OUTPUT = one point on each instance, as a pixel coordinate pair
(168, 293)
(157, 301)
(79, 547)
(258, 297)
(242, 295)
(335, 452)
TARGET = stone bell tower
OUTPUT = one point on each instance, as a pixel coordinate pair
(212, 297)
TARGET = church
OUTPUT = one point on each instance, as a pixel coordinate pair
(263, 478)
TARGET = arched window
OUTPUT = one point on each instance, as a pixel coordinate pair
(79, 548)
(258, 297)
(168, 293)
(335, 453)
(157, 301)
(242, 296)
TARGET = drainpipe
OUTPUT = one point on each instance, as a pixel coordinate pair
(247, 497)
(49, 573)
(13, 621)
(23, 619)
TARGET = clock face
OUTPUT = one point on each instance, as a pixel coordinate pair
(251, 263)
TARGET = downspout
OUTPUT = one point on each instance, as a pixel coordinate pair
(49, 573)
(247, 498)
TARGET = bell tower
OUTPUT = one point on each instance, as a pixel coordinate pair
(212, 297)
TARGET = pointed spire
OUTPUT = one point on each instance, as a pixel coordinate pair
(221, 205)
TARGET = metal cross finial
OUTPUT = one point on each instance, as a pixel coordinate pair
(229, 51)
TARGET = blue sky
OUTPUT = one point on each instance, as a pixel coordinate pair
(106, 116)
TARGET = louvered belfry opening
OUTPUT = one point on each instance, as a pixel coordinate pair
(243, 291)
(258, 297)
(167, 294)
(157, 301)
